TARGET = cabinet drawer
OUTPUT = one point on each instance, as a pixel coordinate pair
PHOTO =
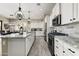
(67, 52)
(74, 51)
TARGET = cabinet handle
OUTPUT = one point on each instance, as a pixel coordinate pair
(70, 19)
(63, 51)
(57, 47)
(56, 40)
(71, 51)
(74, 18)
(56, 55)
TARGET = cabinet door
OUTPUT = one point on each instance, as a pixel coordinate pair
(58, 47)
(51, 20)
(4, 47)
(56, 10)
(78, 12)
(75, 12)
(66, 11)
(69, 50)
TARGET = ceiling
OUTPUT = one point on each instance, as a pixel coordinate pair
(36, 11)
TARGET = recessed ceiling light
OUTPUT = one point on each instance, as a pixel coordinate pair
(41, 9)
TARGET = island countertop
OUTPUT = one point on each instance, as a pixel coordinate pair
(15, 35)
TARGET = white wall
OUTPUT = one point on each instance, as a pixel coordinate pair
(4, 20)
(19, 23)
(37, 24)
(26, 26)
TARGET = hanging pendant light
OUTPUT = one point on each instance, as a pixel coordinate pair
(29, 16)
(19, 14)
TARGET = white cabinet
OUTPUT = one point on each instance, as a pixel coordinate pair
(3, 47)
(69, 12)
(56, 10)
(40, 33)
(63, 48)
(50, 20)
(70, 50)
(58, 47)
(67, 50)
(66, 12)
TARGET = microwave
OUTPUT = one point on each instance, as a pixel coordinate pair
(56, 21)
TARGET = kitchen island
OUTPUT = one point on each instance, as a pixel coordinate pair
(15, 44)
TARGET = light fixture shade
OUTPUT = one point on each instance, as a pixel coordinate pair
(19, 15)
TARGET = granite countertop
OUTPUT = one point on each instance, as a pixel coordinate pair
(15, 35)
(74, 42)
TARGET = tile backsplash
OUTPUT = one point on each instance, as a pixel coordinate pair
(71, 30)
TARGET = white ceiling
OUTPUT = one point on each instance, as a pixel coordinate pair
(36, 13)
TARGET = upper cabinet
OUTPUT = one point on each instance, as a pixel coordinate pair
(66, 12)
(69, 12)
(55, 12)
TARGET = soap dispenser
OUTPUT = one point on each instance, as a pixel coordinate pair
(21, 31)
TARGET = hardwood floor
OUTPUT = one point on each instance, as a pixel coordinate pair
(40, 48)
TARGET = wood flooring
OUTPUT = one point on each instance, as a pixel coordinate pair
(39, 48)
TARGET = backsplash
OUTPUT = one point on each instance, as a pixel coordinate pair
(71, 30)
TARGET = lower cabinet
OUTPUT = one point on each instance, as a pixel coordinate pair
(64, 49)
(70, 51)
(58, 47)
(4, 47)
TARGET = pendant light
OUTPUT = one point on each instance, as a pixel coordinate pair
(29, 16)
(19, 14)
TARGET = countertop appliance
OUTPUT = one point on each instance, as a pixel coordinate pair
(21, 31)
(56, 21)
